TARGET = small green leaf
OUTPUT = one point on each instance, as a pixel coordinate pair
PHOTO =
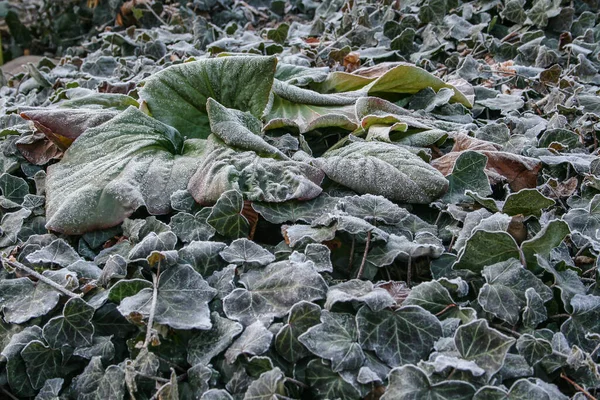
(73, 327)
(255, 340)
(246, 252)
(485, 248)
(42, 363)
(527, 202)
(206, 345)
(327, 384)
(302, 316)
(468, 174)
(13, 188)
(270, 385)
(226, 215)
(279, 34)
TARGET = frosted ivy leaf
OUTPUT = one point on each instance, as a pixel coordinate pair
(410, 382)
(42, 362)
(327, 384)
(51, 389)
(101, 346)
(11, 226)
(115, 268)
(255, 340)
(272, 291)
(359, 291)
(246, 252)
(164, 241)
(294, 211)
(13, 188)
(190, 227)
(22, 299)
(302, 316)
(97, 383)
(373, 208)
(584, 319)
(206, 345)
(335, 339)
(56, 253)
(203, 256)
(182, 301)
(269, 386)
(534, 312)
(74, 326)
(533, 349)
(226, 215)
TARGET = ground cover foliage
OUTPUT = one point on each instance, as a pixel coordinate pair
(295, 199)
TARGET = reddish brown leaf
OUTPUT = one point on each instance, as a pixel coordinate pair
(37, 149)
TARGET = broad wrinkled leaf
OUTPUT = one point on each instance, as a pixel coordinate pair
(302, 316)
(243, 83)
(255, 340)
(42, 362)
(128, 162)
(267, 387)
(384, 169)
(335, 339)
(272, 291)
(398, 337)
(206, 345)
(503, 294)
(294, 211)
(476, 341)
(358, 291)
(73, 327)
(410, 382)
(182, 301)
(246, 252)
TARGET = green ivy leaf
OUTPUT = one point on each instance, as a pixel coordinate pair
(486, 248)
(468, 174)
(206, 345)
(270, 385)
(42, 363)
(246, 252)
(22, 299)
(255, 340)
(96, 383)
(327, 384)
(13, 188)
(226, 215)
(73, 327)
(302, 316)
(527, 202)
(584, 319)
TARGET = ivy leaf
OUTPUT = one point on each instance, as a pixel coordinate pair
(526, 202)
(269, 386)
(22, 299)
(584, 319)
(410, 382)
(335, 339)
(302, 316)
(246, 252)
(294, 211)
(243, 83)
(374, 209)
(371, 167)
(203, 256)
(255, 340)
(486, 248)
(102, 346)
(534, 312)
(399, 247)
(565, 279)
(226, 215)
(128, 162)
(468, 174)
(327, 384)
(206, 345)
(51, 389)
(487, 347)
(279, 34)
(432, 296)
(73, 327)
(503, 294)
(127, 288)
(190, 227)
(42, 363)
(533, 349)
(164, 241)
(359, 291)
(96, 383)
(182, 300)
(544, 242)
(273, 291)
(398, 337)
(13, 188)
(57, 253)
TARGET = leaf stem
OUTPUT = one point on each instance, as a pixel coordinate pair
(506, 330)
(577, 386)
(409, 271)
(449, 306)
(40, 277)
(152, 306)
(351, 253)
(364, 259)
(9, 394)
(298, 383)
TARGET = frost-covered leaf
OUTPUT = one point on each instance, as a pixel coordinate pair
(164, 241)
(243, 83)
(246, 252)
(359, 291)
(128, 162)
(255, 340)
(335, 339)
(468, 174)
(268, 386)
(526, 202)
(226, 215)
(203, 256)
(272, 291)
(11, 225)
(547, 239)
(327, 384)
(42, 362)
(432, 296)
(533, 349)
(22, 299)
(398, 337)
(56, 253)
(486, 248)
(566, 280)
(127, 288)
(302, 316)
(13, 188)
(383, 169)
(190, 227)
(477, 342)
(503, 294)
(534, 312)
(73, 327)
(584, 319)
(294, 211)
(182, 301)
(374, 209)
(97, 383)
(206, 345)
(102, 346)
(410, 382)
(51, 389)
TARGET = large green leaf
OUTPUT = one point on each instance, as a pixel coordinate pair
(410, 382)
(504, 291)
(182, 300)
(273, 291)
(73, 327)
(177, 95)
(226, 215)
(302, 316)
(335, 339)
(468, 174)
(477, 342)
(327, 384)
(111, 170)
(384, 169)
(544, 242)
(268, 386)
(398, 337)
(255, 340)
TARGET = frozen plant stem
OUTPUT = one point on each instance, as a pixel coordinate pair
(577, 386)
(364, 259)
(40, 277)
(152, 306)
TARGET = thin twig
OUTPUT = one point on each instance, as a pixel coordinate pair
(154, 378)
(507, 330)
(40, 277)
(351, 253)
(152, 306)
(409, 271)
(449, 306)
(364, 259)
(295, 382)
(9, 394)
(576, 386)
(155, 14)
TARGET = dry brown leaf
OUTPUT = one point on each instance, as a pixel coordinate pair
(37, 149)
